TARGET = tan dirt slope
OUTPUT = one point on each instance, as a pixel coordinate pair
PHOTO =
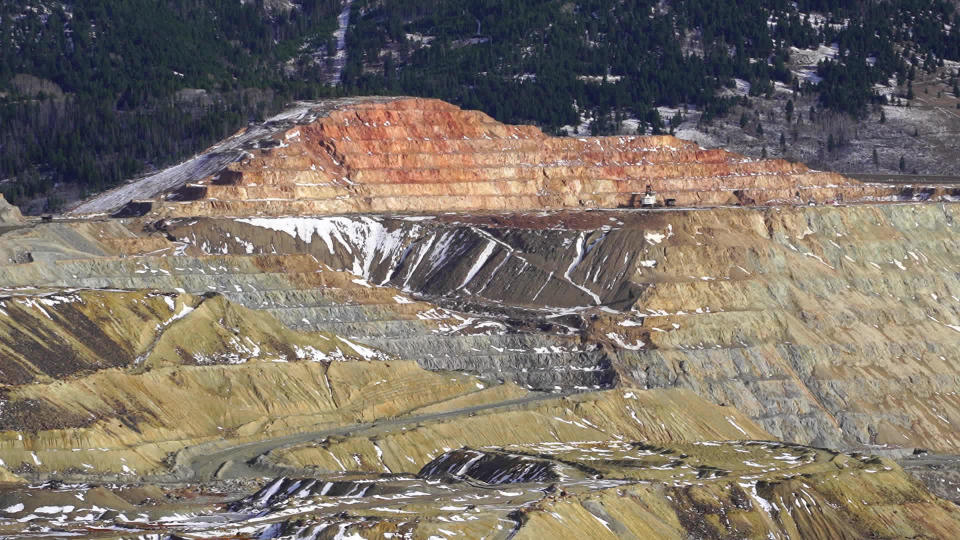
(9, 214)
(520, 368)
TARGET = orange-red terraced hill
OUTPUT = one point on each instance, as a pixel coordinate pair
(424, 155)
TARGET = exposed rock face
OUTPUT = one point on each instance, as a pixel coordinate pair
(127, 371)
(640, 373)
(849, 316)
(812, 320)
(419, 155)
(753, 308)
(9, 214)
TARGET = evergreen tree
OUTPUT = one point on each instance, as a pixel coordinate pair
(123, 63)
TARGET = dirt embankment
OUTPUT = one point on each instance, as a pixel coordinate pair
(9, 214)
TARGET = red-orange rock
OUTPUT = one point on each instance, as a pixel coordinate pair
(424, 155)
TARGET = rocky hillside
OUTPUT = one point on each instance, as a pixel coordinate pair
(386, 303)
(9, 215)
(751, 307)
(843, 85)
(413, 155)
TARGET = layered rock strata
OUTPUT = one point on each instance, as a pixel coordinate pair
(812, 320)
(783, 312)
(420, 155)
(633, 372)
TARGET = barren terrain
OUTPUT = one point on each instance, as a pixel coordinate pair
(438, 326)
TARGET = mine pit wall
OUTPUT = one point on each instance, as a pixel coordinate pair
(520, 268)
(419, 155)
(412, 155)
(833, 326)
(830, 326)
(501, 272)
(427, 260)
(838, 325)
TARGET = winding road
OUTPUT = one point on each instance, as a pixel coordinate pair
(912, 179)
(241, 461)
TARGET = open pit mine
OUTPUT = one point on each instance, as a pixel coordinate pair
(393, 318)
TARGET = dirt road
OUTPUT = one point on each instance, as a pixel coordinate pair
(240, 461)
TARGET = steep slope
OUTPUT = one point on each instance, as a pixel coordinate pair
(663, 371)
(9, 214)
(784, 313)
(127, 371)
(848, 316)
(416, 155)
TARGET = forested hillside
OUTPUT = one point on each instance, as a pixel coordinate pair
(537, 60)
(94, 92)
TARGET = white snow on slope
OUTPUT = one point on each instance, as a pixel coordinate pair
(479, 262)
(577, 260)
(365, 234)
